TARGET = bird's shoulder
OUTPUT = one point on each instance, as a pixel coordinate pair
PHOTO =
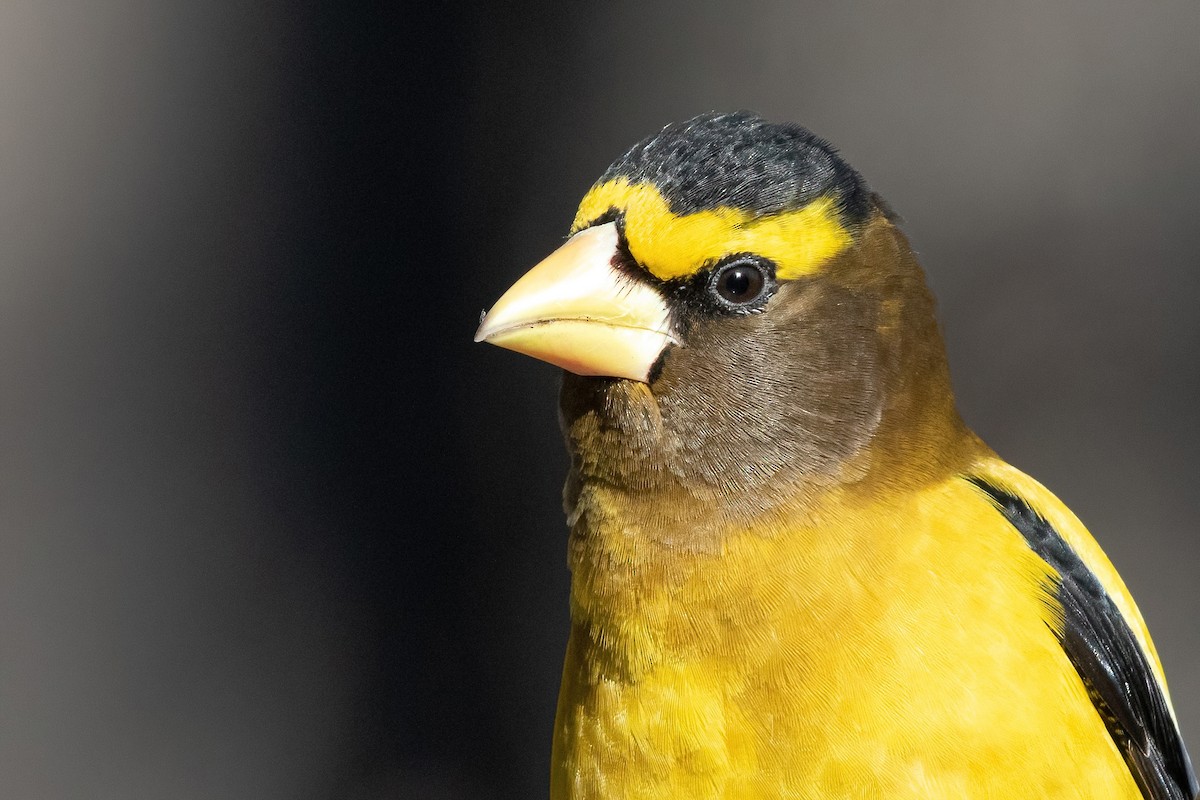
(1101, 631)
(999, 476)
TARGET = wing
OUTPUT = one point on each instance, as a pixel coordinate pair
(1109, 659)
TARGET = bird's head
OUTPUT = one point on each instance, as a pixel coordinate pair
(733, 304)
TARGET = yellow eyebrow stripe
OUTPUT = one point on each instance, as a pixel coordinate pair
(673, 246)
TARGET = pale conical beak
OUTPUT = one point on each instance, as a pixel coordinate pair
(579, 311)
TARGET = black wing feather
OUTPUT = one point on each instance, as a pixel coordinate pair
(1109, 660)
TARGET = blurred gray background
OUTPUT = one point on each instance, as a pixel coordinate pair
(271, 526)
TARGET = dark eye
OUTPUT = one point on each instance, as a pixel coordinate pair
(740, 282)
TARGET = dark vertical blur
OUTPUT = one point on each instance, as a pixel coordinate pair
(271, 526)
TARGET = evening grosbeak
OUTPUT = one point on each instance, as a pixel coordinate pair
(795, 572)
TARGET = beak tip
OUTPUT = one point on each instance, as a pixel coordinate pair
(481, 333)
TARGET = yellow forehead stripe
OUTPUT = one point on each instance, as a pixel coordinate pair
(672, 245)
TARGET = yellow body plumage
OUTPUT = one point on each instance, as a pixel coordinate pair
(903, 648)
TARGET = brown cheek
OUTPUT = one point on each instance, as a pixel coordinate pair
(791, 392)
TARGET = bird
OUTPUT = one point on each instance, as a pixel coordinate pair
(795, 571)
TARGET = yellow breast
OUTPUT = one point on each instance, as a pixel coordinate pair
(899, 649)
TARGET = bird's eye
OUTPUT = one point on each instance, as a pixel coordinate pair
(740, 282)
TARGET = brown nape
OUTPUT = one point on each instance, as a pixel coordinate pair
(841, 382)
